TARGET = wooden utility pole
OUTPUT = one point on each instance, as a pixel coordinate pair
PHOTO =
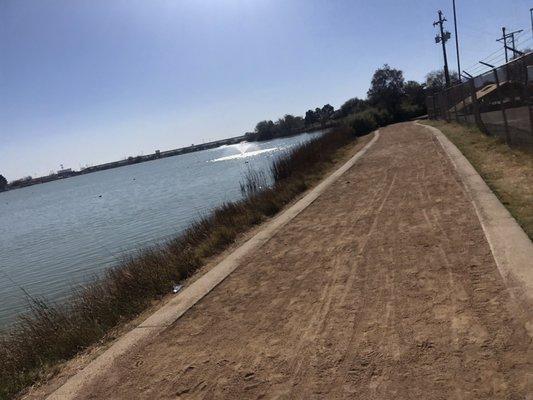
(443, 38)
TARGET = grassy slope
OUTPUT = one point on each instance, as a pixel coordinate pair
(52, 333)
(507, 171)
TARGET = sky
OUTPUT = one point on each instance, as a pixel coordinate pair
(92, 81)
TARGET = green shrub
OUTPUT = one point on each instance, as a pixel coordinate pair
(363, 123)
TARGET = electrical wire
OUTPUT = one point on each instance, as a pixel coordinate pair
(498, 60)
(495, 57)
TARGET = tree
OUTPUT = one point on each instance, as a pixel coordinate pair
(250, 136)
(325, 114)
(289, 124)
(265, 130)
(3, 183)
(436, 80)
(310, 117)
(352, 106)
(299, 122)
(327, 111)
(415, 93)
(387, 89)
(414, 102)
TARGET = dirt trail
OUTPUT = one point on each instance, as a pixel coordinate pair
(383, 288)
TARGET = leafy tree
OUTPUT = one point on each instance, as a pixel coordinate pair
(415, 92)
(352, 106)
(288, 124)
(250, 136)
(325, 113)
(414, 103)
(3, 183)
(311, 117)
(299, 122)
(436, 80)
(387, 89)
(265, 130)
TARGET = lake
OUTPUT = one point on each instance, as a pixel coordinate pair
(59, 234)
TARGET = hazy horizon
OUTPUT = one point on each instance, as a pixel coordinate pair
(92, 82)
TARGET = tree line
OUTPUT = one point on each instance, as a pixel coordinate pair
(389, 99)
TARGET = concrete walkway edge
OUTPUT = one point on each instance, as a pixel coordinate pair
(511, 247)
(174, 309)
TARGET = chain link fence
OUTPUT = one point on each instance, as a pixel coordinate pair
(499, 102)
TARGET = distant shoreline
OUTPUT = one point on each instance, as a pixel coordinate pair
(68, 173)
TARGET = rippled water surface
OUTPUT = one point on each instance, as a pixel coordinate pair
(58, 234)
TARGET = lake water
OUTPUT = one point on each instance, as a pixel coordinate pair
(59, 234)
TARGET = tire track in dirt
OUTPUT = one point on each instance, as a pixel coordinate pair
(340, 291)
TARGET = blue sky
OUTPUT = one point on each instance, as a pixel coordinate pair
(85, 82)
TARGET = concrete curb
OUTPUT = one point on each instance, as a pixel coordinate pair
(511, 247)
(174, 309)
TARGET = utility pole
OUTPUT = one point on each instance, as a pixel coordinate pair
(443, 38)
(531, 16)
(456, 40)
(504, 38)
(512, 39)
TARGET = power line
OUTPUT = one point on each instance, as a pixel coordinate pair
(496, 57)
(523, 40)
(481, 69)
(496, 52)
(491, 60)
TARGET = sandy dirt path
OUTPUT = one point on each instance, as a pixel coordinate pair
(385, 287)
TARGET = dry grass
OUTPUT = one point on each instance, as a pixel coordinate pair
(52, 333)
(308, 154)
(507, 171)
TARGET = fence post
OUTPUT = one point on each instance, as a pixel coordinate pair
(438, 102)
(455, 104)
(475, 107)
(526, 98)
(504, 114)
(463, 100)
(441, 106)
(446, 105)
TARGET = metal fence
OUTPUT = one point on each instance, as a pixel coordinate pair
(499, 102)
